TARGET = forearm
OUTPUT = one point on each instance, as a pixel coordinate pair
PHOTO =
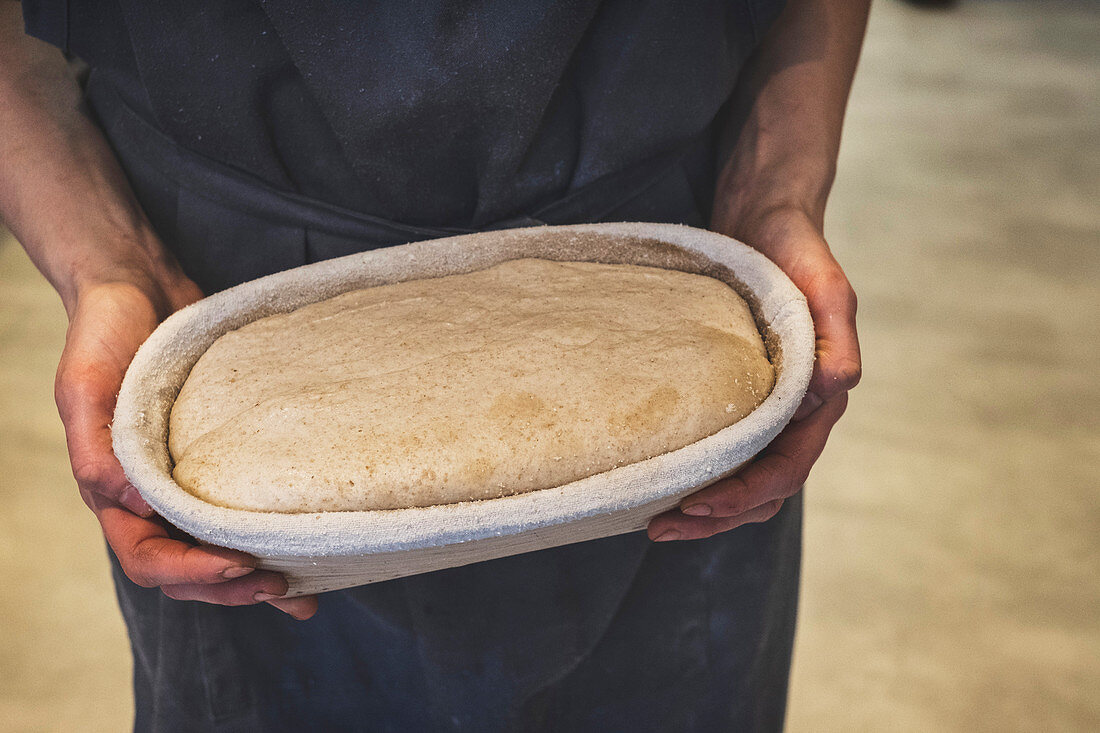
(62, 192)
(787, 113)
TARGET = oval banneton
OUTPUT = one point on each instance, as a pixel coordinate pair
(330, 550)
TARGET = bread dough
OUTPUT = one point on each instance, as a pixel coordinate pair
(524, 376)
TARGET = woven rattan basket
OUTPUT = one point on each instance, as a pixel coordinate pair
(330, 550)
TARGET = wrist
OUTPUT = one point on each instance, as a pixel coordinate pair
(86, 231)
(765, 177)
(135, 259)
(765, 221)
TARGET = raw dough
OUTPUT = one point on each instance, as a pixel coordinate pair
(528, 375)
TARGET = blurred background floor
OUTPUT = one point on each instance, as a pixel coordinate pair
(952, 553)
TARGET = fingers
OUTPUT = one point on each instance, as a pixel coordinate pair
(188, 572)
(703, 527)
(151, 558)
(300, 607)
(256, 587)
(838, 365)
(260, 587)
(776, 474)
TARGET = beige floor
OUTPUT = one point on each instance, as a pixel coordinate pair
(953, 537)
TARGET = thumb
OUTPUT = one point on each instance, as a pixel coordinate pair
(85, 401)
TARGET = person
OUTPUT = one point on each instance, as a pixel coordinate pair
(214, 142)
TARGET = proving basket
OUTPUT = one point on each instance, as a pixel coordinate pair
(329, 550)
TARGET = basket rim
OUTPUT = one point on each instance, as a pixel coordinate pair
(158, 369)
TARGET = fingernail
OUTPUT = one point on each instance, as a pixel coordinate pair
(697, 510)
(262, 596)
(237, 571)
(131, 499)
(666, 536)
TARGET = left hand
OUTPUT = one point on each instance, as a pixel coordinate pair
(756, 492)
(108, 322)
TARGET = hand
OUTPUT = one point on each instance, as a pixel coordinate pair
(757, 491)
(108, 322)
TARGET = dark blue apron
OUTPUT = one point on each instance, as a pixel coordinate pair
(615, 634)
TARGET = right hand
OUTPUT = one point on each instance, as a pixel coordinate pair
(107, 324)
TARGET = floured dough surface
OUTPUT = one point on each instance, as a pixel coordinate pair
(528, 375)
